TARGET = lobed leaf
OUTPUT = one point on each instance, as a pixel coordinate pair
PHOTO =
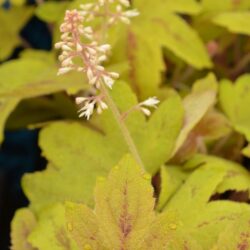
(22, 225)
(235, 100)
(87, 151)
(6, 107)
(12, 21)
(196, 105)
(236, 22)
(51, 233)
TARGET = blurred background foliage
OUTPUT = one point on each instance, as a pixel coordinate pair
(198, 49)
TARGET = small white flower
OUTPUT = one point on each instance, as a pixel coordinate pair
(102, 58)
(104, 48)
(87, 110)
(108, 81)
(131, 13)
(103, 105)
(66, 48)
(114, 75)
(86, 6)
(150, 102)
(63, 71)
(79, 47)
(126, 3)
(80, 100)
(146, 111)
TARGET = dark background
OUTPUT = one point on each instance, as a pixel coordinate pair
(19, 152)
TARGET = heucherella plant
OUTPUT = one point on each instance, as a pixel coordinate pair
(123, 177)
(81, 41)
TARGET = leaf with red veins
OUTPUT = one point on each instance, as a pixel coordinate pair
(124, 206)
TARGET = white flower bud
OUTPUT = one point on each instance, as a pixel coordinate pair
(146, 111)
(108, 81)
(150, 102)
(63, 71)
(80, 100)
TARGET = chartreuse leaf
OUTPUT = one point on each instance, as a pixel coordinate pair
(90, 152)
(236, 22)
(165, 30)
(236, 235)
(246, 151)
(21, 226)
(124, 216)
(167, 232)
(235, 100)
(182, 6)
(83, 226)
(51, 11)
(172, 178)
(6, 107)
(223, 5)
(205, 219)
(34, 77)
(14, 2)
(196, 105)
(12, 20)
(50, 233)
(124, 205)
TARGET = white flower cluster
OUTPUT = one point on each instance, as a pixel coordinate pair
(114, 10)
(73, 45)
(151, 102)
(78, 41)
(89, 105)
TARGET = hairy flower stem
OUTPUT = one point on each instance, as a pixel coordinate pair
(122, 126)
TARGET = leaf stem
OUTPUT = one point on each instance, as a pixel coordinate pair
(122, 126)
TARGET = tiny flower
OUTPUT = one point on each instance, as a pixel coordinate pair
(146, 111)
(108, 81)
(80, 100)
(79, 47)
(131, 13)
(150, 102)
(104, 48)
(63, 71)
(126, 3)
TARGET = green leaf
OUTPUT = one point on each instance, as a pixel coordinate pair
(124, 209)
(164, 29)
(236, 22)
(235, 100)
(50, 233)
(182, 6)
(223, 5)
(72, 144)
(12, 21)
(196, 105)
(246, 151)
(172, 178)
(21, 226)
(167, 232)
(51, 11)
(82, 225)
(34, 77)
(124, 205)
(124, 216)
(6, 107)
(200, 216)
(236, 235)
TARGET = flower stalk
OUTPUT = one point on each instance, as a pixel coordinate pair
(79, 41)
